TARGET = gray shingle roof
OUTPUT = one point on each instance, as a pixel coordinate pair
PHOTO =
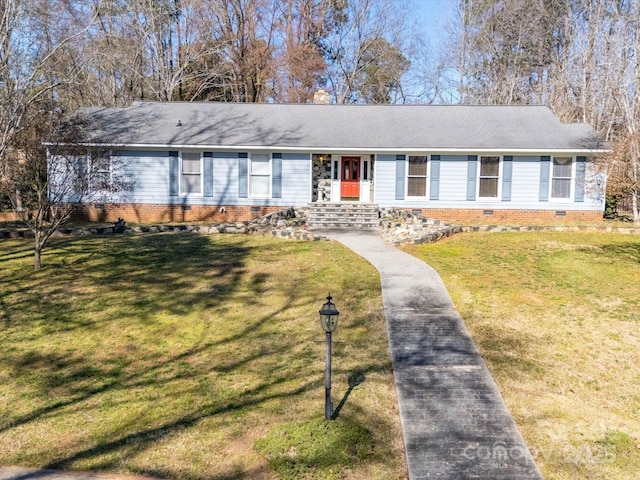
(334, 127)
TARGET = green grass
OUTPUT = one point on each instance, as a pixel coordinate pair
(316, 449)
(556, 317)
(173, 355)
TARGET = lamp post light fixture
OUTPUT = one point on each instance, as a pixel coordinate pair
(329, 322)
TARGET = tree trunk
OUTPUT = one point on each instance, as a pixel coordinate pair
(37, 257)
(37, 251)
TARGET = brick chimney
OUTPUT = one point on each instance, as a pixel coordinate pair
(321, 97)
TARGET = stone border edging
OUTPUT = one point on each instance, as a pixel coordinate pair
(397, 226)
(286, 223)
(402, 226)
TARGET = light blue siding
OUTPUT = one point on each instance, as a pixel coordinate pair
(453, 187)
(453, 179)
(384, 182)
(525, 182)
(150, 176)
(150, 171)
(225, 180)
(296, 179)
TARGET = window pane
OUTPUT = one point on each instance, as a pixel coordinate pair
(100, 164)
(260, 186)
(561, 188)
(417, 187)
(488, 187)
(101, 180)
(489, 166)
(347, 173)
(190, 165)
(418, 166)
(260, 165)
(562, 167)
(190, 183)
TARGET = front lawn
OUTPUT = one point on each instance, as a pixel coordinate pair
(193, 357)
(556, 316)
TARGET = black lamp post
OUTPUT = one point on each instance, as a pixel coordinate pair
(329, 321)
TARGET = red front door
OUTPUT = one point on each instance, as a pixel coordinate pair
(350, 178)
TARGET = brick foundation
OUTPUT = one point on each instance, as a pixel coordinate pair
(152, 213)
(10, 217)
(466, 216)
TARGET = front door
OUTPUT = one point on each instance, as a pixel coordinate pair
(350, 178)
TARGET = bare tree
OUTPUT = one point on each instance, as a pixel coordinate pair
(300, 63)
(245, 32)
(623, 170)
(506, 48)
(51, 175)
(361, 31)
(33, 70)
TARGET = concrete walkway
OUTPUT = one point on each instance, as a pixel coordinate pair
(454, 421)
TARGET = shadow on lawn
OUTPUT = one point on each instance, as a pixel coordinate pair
(507, 352)
(628, 250)
(355, 379)
(93, 287)
(148, 273)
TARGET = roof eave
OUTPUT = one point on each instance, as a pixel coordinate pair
(243, 148)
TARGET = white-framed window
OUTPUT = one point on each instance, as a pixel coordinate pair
(561, 177)
(260, 175)
(489, 178)
(101, 176)
(417, 176)
(190, 173)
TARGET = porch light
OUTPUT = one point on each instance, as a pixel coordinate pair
(329, 322)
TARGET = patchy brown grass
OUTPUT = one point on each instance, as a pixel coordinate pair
(556, 317)
(173, 355)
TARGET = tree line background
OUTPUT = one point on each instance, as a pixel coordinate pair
(579, 57)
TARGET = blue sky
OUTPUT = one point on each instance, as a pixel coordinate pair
(433, 14)
(434, 8)
(432, 18)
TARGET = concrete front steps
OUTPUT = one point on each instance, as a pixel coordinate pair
(343, 215)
